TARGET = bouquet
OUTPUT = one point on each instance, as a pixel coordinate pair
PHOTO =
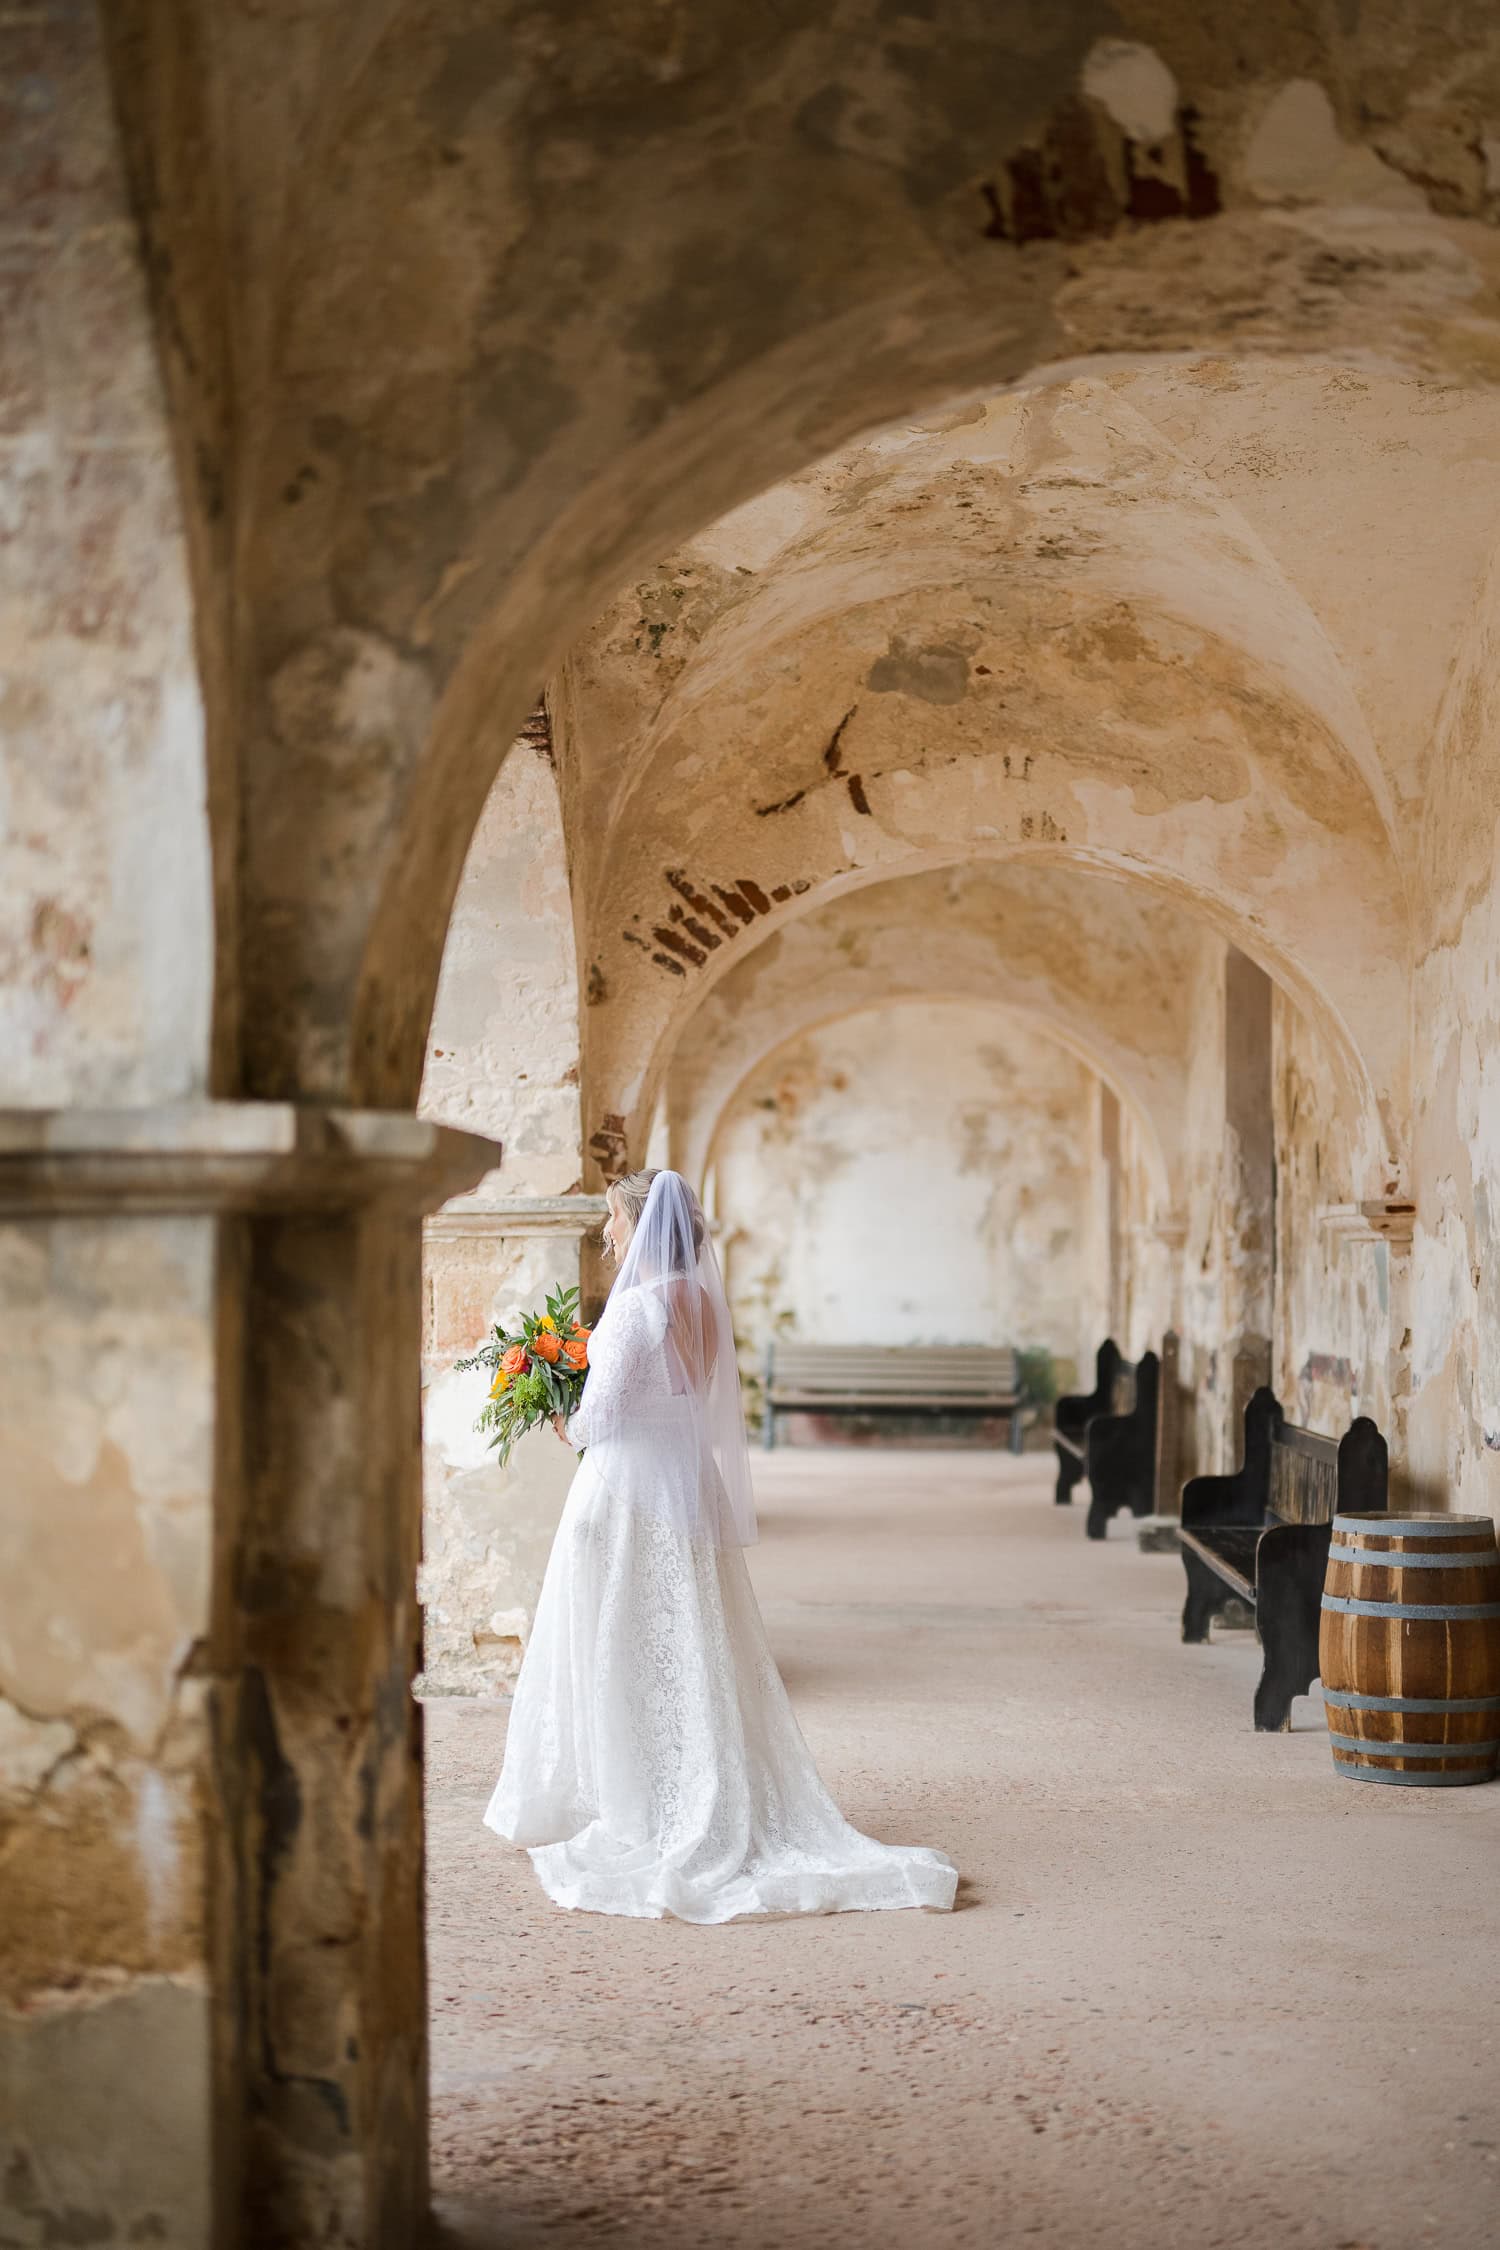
(538, 1372)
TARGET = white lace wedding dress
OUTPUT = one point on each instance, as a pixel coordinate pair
(653, 1764)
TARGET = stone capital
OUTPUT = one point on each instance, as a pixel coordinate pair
(496, 1219)
(231, 1158)
(1387, 1220)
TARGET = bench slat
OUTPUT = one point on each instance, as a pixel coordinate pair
(971, 1377)
(831, 1356)
(879, 1378)
(998, 1399)
(1304, 1475)
(1229, 1551)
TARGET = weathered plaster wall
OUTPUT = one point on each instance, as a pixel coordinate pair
(1455, 1263)
(1150, 1248)
(1332, 1324)
(1094, 961)
(106, 917)
(1078, 649)
(451, 444)
(1204, 1365)
(502, 1060)
(486, 1531)
(502, 1054)
(1249, 1179)
(467, 326)
(110, 1820)
(913, 1174)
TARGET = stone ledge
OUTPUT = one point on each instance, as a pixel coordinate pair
(230, 1157)
(1382, 1221)
(517, 1215)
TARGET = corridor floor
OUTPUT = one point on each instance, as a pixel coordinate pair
(1197, 1992)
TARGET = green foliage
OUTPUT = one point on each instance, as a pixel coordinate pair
(1038, 1376)
(537, 1389)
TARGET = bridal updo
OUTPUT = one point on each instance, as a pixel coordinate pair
(627, 1198)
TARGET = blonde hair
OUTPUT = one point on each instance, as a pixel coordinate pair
(627, 1198)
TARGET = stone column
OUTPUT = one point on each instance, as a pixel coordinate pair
(1384, 1229)
(487, 1530)
(1109, 1148)
(1249, 1183)
(212, 2016)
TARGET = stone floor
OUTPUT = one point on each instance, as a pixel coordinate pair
(1198, 1991)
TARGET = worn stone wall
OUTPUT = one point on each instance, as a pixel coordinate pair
(1332, 1324)
(1093, 1229)
(913, 1174)
(111, 1817)
(450, 445)
(814, 706)
(486, 1530)
(106, 917)
(503, 1060)
(1204, 1362)
(469, 331)
(502, 1053)
(1090, 960)
(1150, 1248)
(111, 1821)
(1454, 1313)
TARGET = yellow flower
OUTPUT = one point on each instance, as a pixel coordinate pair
(501, 1383)
(547, 1321)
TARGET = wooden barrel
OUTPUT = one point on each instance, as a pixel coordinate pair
(1409, 1649)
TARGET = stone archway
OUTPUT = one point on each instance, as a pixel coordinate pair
(1077, 648)
(1097, 964)
(420, 532)
(922, 1168)
(464, 326)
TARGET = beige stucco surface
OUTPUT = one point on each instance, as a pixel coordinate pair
(945, 1206)
(1068, 2053)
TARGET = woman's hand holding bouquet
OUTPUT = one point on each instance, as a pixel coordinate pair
(539, 1372)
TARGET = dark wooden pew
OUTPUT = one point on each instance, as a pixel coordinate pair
(1111, 1435)
(1073, 1413)
(1119, 1453)
(1262, 1536)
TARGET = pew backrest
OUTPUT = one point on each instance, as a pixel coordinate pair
(1304, 1485)
(937, 1375)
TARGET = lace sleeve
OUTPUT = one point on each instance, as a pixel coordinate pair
(625, 1362)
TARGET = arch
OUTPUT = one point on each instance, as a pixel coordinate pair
(982, 817)
(1097, 964)
(697, 1158)
(503, 1056)
(1023, 499)
(1130, 677)
(457, 754)
(523, 321)
(874, 1159)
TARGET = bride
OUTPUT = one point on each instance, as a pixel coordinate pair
(653, 1765)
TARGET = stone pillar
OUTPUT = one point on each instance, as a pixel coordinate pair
(212, 2015)
(1249, 1184)
(1109, 1147)
(1169, 1420)
(487, 1531)
(1384, 1229)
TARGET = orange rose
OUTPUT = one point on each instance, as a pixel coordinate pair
(547, 1347)
(576, 1351)
(516, 1361)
